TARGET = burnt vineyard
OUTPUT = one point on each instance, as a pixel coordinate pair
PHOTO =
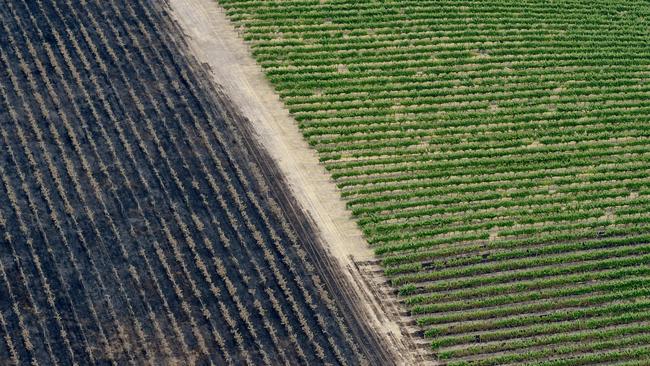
(138, 222)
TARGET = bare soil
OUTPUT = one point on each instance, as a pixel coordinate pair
(375, 320)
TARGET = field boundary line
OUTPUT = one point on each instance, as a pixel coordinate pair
(215, 43)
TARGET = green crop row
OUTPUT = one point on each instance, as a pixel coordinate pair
(494, 154)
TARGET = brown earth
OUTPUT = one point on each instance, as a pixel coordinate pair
(342, 256)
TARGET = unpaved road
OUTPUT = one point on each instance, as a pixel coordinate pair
(215, 43)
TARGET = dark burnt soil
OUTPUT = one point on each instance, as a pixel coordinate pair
(140, 222)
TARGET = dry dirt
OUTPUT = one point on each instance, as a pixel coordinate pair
(215, 43)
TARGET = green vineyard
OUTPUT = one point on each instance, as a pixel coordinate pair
(496, 155)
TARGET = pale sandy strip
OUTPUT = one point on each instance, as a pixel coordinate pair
(214, 41)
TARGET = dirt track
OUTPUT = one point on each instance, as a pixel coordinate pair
(215, 43)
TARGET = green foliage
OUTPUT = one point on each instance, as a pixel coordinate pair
(495, 154)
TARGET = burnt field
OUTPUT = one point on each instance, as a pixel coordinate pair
(139, 221)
